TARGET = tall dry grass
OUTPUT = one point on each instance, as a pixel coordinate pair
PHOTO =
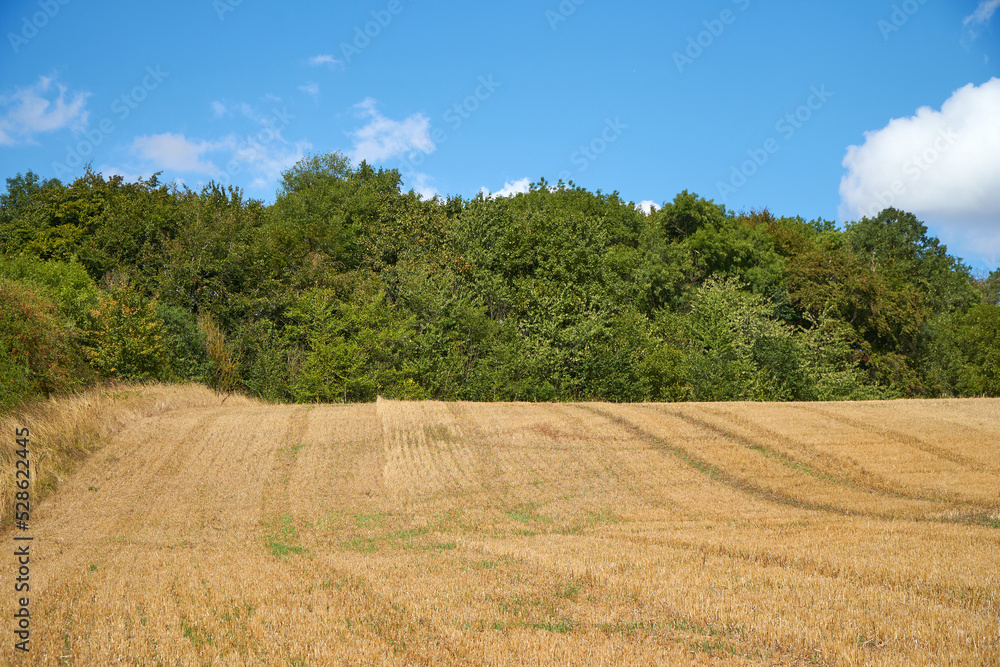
(64, 430)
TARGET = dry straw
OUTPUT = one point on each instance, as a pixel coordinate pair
(65, 429)
(404, 533)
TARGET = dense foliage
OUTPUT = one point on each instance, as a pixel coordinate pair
(346, 288)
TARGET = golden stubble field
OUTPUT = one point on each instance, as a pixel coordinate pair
(588, 534)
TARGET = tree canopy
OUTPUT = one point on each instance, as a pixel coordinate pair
(346, 288)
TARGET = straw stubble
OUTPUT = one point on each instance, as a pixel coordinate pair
(419, 533)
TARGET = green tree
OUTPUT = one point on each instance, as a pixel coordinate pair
(185, 348)
(963, 356)
(738, 350)
(215, 259)
(453, 333)
(739, 248)
(688, 213)
(126, 339)
(979, 340)
(19, 221)
(352, 350)
(328, 215)
(896, 244)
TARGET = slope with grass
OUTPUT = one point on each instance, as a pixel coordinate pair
(467, 533)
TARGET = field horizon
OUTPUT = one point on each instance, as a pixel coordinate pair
(196, 532)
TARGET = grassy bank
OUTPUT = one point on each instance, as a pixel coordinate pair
(65, 430)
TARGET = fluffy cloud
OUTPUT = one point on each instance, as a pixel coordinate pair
(941, 165)
(176, 152)
(383, 139)
(647, 206)
(509, 189)
(44, 106)
(256, 159)
(310, 89)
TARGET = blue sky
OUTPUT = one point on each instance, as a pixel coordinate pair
(749, 103)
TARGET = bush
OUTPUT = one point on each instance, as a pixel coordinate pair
(266, 366)
(739, 351)
(352, 350)
(627, 361)
(126, 340)
(979, 339)
(66, 284)
(965, 354)
(225, 367)
(38, 355)
(184, 343)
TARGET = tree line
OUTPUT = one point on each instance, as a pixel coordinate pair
(346, 288)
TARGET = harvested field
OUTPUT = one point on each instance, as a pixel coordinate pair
(589, 534)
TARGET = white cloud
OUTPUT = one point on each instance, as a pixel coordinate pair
(176, 152)
(984, 12)
(233, 109)
(509, 189)
(259, 158)
(940, 165)
(324, 59)
(310, 89)
(255, 159)
(41, 107)
(420, 183)
(220, 109)
(128, 175)
(383, 139)
(647, 206)
(249, 112)
(267, 162)
(975, 21)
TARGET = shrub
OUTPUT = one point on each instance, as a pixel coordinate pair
(225, 366)
(38, 355)
(126, 339)
(351, 349)
(66, 284)
(184, 342)
(739, 351)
